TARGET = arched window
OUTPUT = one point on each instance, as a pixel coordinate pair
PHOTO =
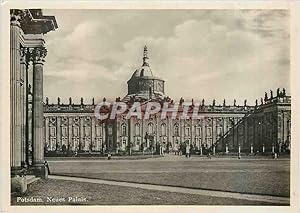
(137, 129)
(187, 131)
(198, 130)
(123, 129)
(176, 130)
(150, 128)
(163, 129)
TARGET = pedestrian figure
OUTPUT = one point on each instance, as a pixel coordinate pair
(108, 156)
(187, 150)
(176, 149)
(239, 156)
(208, 155)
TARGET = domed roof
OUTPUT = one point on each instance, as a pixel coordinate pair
(145, 70)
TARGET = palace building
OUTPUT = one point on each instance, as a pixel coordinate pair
(38, 127)
(263, 127)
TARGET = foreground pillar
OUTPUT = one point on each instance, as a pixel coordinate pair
(15, 84)
(18, 180)
(39, 54)
(23, 97)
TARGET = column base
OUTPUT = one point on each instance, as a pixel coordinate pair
(40, 170)
(24, 165)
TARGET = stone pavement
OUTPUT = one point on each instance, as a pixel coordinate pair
(212, 193)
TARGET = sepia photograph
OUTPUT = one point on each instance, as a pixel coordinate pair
(150, 107)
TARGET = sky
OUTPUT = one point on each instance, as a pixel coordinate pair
(210, 54)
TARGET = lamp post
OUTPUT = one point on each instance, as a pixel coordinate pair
(260, 126)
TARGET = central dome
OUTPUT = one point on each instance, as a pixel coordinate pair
(143, 84)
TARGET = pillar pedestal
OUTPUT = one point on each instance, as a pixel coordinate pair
(40, 170)
(18, 184)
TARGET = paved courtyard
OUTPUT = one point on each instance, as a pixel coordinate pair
(196, 180)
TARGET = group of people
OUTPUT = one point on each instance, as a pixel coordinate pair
(186, 148)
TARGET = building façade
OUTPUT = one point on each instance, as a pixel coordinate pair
(263, 127)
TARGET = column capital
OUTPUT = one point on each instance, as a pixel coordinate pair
(25, 55)
(38, 54)
(16, 17)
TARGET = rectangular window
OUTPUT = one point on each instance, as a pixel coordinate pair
(187, 131)
(219, 131)
(198, 131)
(64, 131)
(76, 131)
(52, 131)
(137, 141)
(98, 130)
(163, 129)
(123, 130)
(87, 131)
(208, 132)
(110, 130)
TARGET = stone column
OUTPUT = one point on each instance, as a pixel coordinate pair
(15, 107)
(27, 118)
(39, 54)
(23, 96)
